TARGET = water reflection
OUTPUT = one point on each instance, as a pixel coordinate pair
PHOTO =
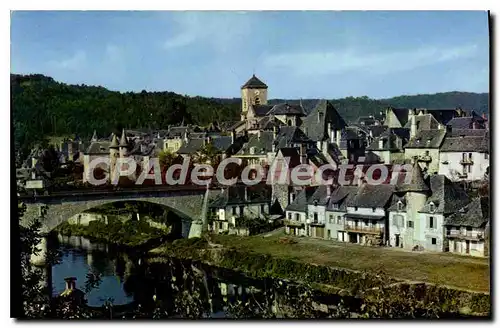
(79, 257)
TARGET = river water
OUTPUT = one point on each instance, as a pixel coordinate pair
(185, 289)
(126, 279)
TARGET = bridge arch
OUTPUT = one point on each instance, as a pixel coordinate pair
(54, 211)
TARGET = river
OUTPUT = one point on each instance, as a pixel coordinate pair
(184, 288)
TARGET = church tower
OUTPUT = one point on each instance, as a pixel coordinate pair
(254, 92)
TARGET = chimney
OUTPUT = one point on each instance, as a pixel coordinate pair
(339, 136)
(233, 136)
(70, 283)
(275, 131)
(413, 129)
(273, 148)
(440, 126)
(258, 135)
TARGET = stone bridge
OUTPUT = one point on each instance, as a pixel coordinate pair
(56, 208)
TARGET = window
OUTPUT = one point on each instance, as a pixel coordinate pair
(262, 208)
(331, 218)
(367, 223)
(400, 206)
(289, 216)
(355, 208)
(257, 101)
(469, 229)
(464, 157)
(431, 222)
(486, 156)
(373, 209)
(220, 225)
(410, 224)
(432, 207)
(434, 241)
(315, 217)
(469, 167)
(336, 206)
(241, 209)
(234, 210)
(297, 217)
(339, 219)
(426, 153)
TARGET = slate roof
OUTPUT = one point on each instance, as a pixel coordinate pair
(191, 146)
(466, 132)
(99, 147)
(475, 214)
(300, 202)
(261, 145)
(369, 196)
(416, 184)
(442, 115)
(288, 135)
(465, 144)
(377, 130)
(340, 196)
(287, 109)
(254, 83)
(393, 139)
(466, 122)
(178, 131)
(320, 196)
(394, 203)
(446, 196)
(424, 122)
(235, 195)
(261, 110)
(269, 123)
(427, 139)
(235, 125)
(222, 143)
(401, 114)
(316, 123)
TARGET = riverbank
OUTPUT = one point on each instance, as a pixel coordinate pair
(131, 233)
(386, 278)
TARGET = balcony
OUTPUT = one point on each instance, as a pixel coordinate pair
(361, 229)
(293, 223)
(466, 161)
(467, 235)
(317, 224)
(424, 158)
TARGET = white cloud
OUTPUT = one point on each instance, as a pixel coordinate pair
(74, 62)
(323, 63)
(221, 30)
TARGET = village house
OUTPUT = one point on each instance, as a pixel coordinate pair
(335, 212)
(465, 157)
(239, 203)
(465, 230)
(388, 147)
(366, 217)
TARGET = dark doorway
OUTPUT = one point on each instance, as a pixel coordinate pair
(397, 240)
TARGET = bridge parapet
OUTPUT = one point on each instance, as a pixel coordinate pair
(56, 209)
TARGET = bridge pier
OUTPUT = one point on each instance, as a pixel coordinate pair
(39, 259)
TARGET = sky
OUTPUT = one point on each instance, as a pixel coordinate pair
(299, 54)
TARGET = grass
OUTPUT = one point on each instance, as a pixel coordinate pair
(442, 269)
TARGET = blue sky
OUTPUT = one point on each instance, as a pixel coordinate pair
(329, 54)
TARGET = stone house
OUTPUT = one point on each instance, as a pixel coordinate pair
(465, 230)
(335, 212)
(366, 217)
(237, 203)
(464, 156)
(424, 146)
(388, 147)
(296, 218)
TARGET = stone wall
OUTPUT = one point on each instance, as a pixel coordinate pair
(56, 211)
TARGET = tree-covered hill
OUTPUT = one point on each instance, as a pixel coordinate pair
(43, 107)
